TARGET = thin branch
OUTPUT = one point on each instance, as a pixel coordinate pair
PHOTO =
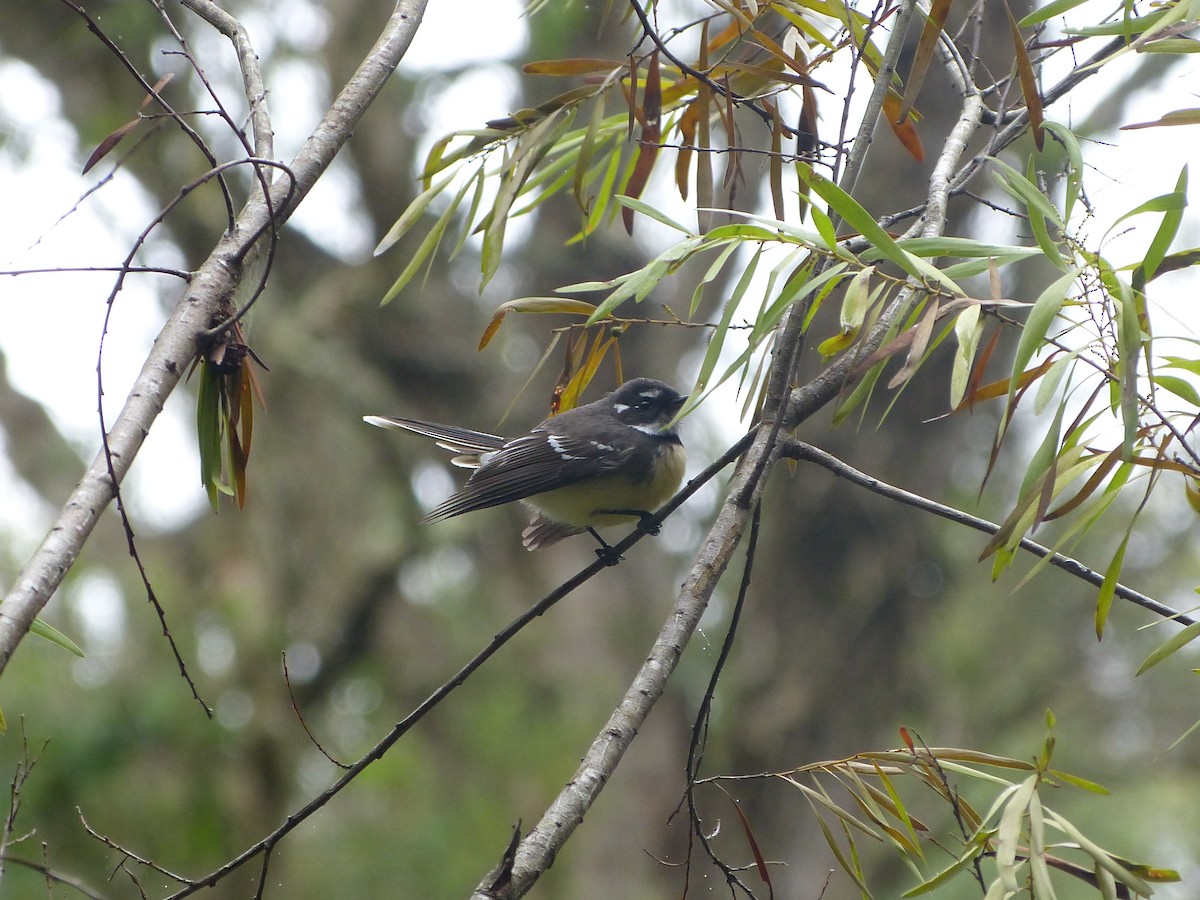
(179, 120)
(266, 845)
(127, 854)
(124, 270)
(252, 80)
(704, 714)
(807, 453)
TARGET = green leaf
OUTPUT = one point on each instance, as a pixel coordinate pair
(427, 247)
(1008, 833)
(54, 636)
(1108, 588)
(1179, 387)
(412, 214)
(651, 212)
(1038, 206)
(530, 148)
(1180, 639)
(1049, 11)
(968, 328)
(1070, 143)
(1041, 317)
(862, 221)
(1167, 229)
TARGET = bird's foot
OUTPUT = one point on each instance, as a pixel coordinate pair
(605, 553)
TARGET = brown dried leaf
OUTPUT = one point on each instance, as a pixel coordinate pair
(106, 146)
(1033, 99)
(934, 23)
(155, 90)
(648, 142)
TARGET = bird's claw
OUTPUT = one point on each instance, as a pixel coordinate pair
(608, 555)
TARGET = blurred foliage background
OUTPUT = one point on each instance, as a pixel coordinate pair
(863, 616)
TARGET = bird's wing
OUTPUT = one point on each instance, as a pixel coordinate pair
(450, 437)
(538, 462)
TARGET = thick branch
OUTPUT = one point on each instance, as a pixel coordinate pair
(178, 342)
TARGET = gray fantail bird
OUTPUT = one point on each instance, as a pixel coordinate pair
(613, 461)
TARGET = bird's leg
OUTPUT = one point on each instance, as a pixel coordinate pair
(645, 519)
(607, 554)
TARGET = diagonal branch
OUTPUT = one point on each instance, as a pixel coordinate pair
(180, 337)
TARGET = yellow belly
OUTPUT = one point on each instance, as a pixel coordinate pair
(581, 504)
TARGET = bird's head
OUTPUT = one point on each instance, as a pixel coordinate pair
(646, 404)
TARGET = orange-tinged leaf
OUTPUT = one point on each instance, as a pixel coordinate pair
(1000, 388)
(980, 368)
(534, 305)
(1033, 99)
(921, 332)
(759, 863)
(1089, 487)
(572, 66)
(648, 142)
(729, 33)
(904, 129)
(687, 126)
(583, 365)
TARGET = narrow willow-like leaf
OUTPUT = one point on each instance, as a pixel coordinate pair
(412, 214)
(1167, 229)
(1041, 316)
(1129, 345)
(45, 630)
(653, 213)
(1105, 859)
(531, 147)
(208, 431)
(1049, 11)
(968, 329)
(1028, 79)
(930, 35)
(427, 247)
(1038, 206)
(1074, 180)
(963, 863)
(861, 220)
(1177, 641)
(717, 342)
(1108, 588)
(1039, 872)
